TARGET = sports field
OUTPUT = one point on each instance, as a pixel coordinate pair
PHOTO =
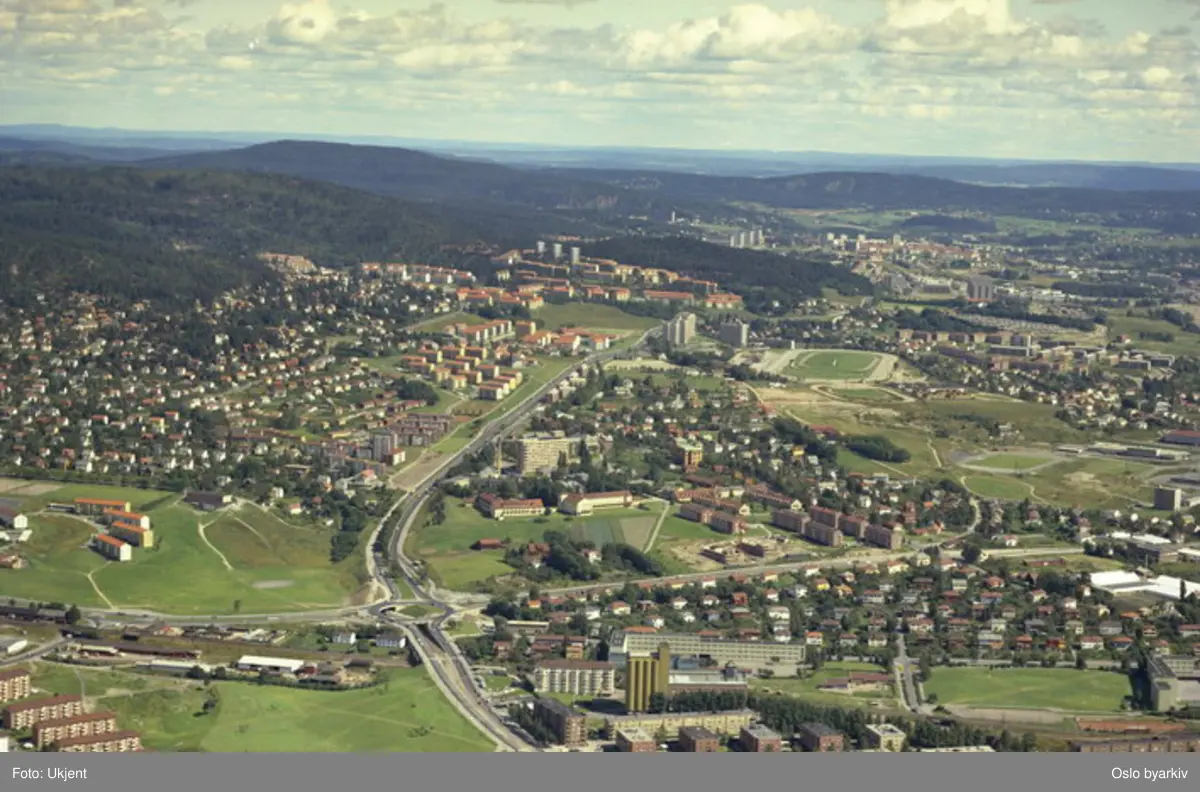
(1030, 688)
(834, 365)
(241, 559)
(406, 713)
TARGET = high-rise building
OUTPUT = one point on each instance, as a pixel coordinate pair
(981, 289)
(575, 256)
(735, 333)
(557, 249)
(383, 444)
(543, 452)
(681, 330)
(1168, 499)
(541, 247)
(645, 676)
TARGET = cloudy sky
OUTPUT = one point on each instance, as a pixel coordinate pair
(1078, 79)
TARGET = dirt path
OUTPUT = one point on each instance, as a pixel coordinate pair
(252, 530)
(204, 538)
(98, 590)
(937, 459)
(654, 534)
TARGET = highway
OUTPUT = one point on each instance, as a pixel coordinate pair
(441, 656)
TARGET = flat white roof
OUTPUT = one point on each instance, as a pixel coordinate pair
(1114, 578)
(1151, 539)
(272, 662)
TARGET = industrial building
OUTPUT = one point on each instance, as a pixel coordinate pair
(645, 676)
(1174, 681)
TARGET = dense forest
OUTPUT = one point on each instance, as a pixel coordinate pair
(414, 175)
(759, 276)
(177, 237)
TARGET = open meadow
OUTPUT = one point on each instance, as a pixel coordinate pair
(591, 316)
(446, 548)
(240, 559)
(404, 713)
(809, 689)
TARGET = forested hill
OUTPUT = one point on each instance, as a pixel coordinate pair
(414, 175)
(179, 236)
(1172, 211)
(757, 275)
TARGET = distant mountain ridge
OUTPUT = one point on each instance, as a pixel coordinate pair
(599, 193)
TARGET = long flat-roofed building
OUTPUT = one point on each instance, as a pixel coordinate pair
(783, 658)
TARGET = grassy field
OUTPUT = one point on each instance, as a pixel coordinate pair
(868, 395)
(675, 527)
(1030, 688)
(591, 316)
(808, 688)
(834, 365)
(407, 713)
(243, 560)
(1012, 461)
(446, 548)
(1183, 344)
(995, 487)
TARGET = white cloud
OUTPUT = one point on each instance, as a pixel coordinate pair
(235, 62)
(983, 67)
(303, 23)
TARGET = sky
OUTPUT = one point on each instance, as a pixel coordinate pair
(1037, 79)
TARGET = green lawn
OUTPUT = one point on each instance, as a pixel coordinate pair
(591, 316)
(272, 565)
(405, 714)
(844, 364)
(1030, 688)
(867, 395)
(1183, 344)
(61, 679)
(139, 499)
(808, 688)
(994, 487)
(1012, 461)
(676, 527)
(446, 548)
